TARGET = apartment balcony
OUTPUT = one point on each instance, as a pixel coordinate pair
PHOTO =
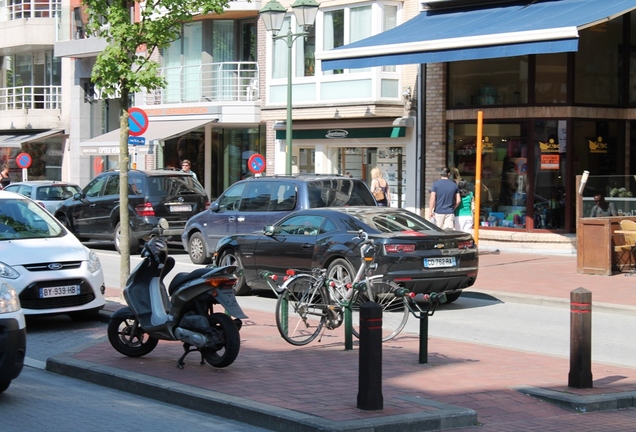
(227, 91)
(30, 107)
(28, 26)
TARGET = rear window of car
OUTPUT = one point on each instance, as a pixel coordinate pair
(173, 185)
(389, 222)
(338, 193)
(56, 193)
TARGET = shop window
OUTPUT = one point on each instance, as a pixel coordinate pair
(504, 175)
(500, 81)
(598, 63)
(550, 174)
(551, 78)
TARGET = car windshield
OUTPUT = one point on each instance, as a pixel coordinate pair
(24, 219)
(393, 222)
(339, 192)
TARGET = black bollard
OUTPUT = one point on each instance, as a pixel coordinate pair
(370, 363)
(424, 338)
(580, 375)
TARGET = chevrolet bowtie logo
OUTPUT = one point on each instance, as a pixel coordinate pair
(439, 246)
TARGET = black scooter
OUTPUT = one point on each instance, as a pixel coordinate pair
(184, 312)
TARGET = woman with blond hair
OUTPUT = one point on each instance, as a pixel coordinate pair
(380, 188)
(5, 180)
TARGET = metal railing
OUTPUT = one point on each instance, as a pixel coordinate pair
(30, 97)
(211, 82)
(31, 9)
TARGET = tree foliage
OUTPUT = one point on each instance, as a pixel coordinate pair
(135, 30)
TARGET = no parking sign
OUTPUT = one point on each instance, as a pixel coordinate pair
(23, 160)
(256, 163)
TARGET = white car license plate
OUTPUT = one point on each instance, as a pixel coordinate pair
(439, 262)
(180, 208)
(62, 291)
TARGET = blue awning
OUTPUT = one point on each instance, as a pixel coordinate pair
(541, 27)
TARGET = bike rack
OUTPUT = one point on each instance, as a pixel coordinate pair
(433, 300)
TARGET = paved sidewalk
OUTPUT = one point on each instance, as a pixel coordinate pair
(475, 387)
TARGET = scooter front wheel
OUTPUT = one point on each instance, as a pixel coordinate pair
(228, 333)
(127, 337)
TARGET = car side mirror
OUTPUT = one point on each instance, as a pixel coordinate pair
(214, 206)
(77, 196)
(269, 230)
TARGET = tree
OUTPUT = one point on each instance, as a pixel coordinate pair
(135, 30)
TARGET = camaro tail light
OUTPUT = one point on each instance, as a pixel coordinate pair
(399, 248)
(465, 244)
(145, 209)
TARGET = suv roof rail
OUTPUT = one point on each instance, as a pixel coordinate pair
(299, 175)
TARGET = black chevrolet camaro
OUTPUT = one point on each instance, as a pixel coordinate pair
(414, 252)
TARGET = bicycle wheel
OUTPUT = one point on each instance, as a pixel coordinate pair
(300, 309)
(395, 311)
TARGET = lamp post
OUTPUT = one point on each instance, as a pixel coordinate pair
(273, 14)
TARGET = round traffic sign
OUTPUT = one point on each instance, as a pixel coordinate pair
(256, 163)
(137, 121)
(23, 160)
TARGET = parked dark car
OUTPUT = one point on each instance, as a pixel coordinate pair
(94, 212)
(415, 253)
(250, 204)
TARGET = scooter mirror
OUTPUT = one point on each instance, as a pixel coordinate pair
(163, 224)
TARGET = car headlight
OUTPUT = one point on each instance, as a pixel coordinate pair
(7, 272)
(9, 301)
(93, 262)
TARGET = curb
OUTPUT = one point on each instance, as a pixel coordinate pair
(255, 413)
(505, 297)
(602, 402)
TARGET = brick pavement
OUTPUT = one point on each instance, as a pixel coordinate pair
(318, 383)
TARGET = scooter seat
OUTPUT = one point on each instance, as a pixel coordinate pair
(182, 278)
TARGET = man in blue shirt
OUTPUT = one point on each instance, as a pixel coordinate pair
(444, 200)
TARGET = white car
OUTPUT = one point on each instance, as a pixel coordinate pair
(51, 270)
(48, 193)
(13, 330)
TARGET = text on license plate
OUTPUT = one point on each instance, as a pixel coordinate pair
(61, 291)
(439, 262)
(181, 208)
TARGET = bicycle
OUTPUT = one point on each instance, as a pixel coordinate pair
(307, 302)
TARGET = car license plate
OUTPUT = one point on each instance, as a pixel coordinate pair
(62, 291)
(180, 208)
(439, 262)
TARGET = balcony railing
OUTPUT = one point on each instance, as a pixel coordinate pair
(31, 9)
(30, 97)
(211, 82)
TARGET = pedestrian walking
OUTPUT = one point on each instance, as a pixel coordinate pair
(185, 167)
(5, 180)
(380, 188)
(465, 211)
(444, 200)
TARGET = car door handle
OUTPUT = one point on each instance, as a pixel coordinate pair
(92, 205)
(241, 218)
(307, 246)
(231, 219)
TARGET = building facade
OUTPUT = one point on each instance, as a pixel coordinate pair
(31, 117)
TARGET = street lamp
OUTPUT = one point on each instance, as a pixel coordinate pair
(273, 14)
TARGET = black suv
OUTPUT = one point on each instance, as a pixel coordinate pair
(93, 213)
(250, 204)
